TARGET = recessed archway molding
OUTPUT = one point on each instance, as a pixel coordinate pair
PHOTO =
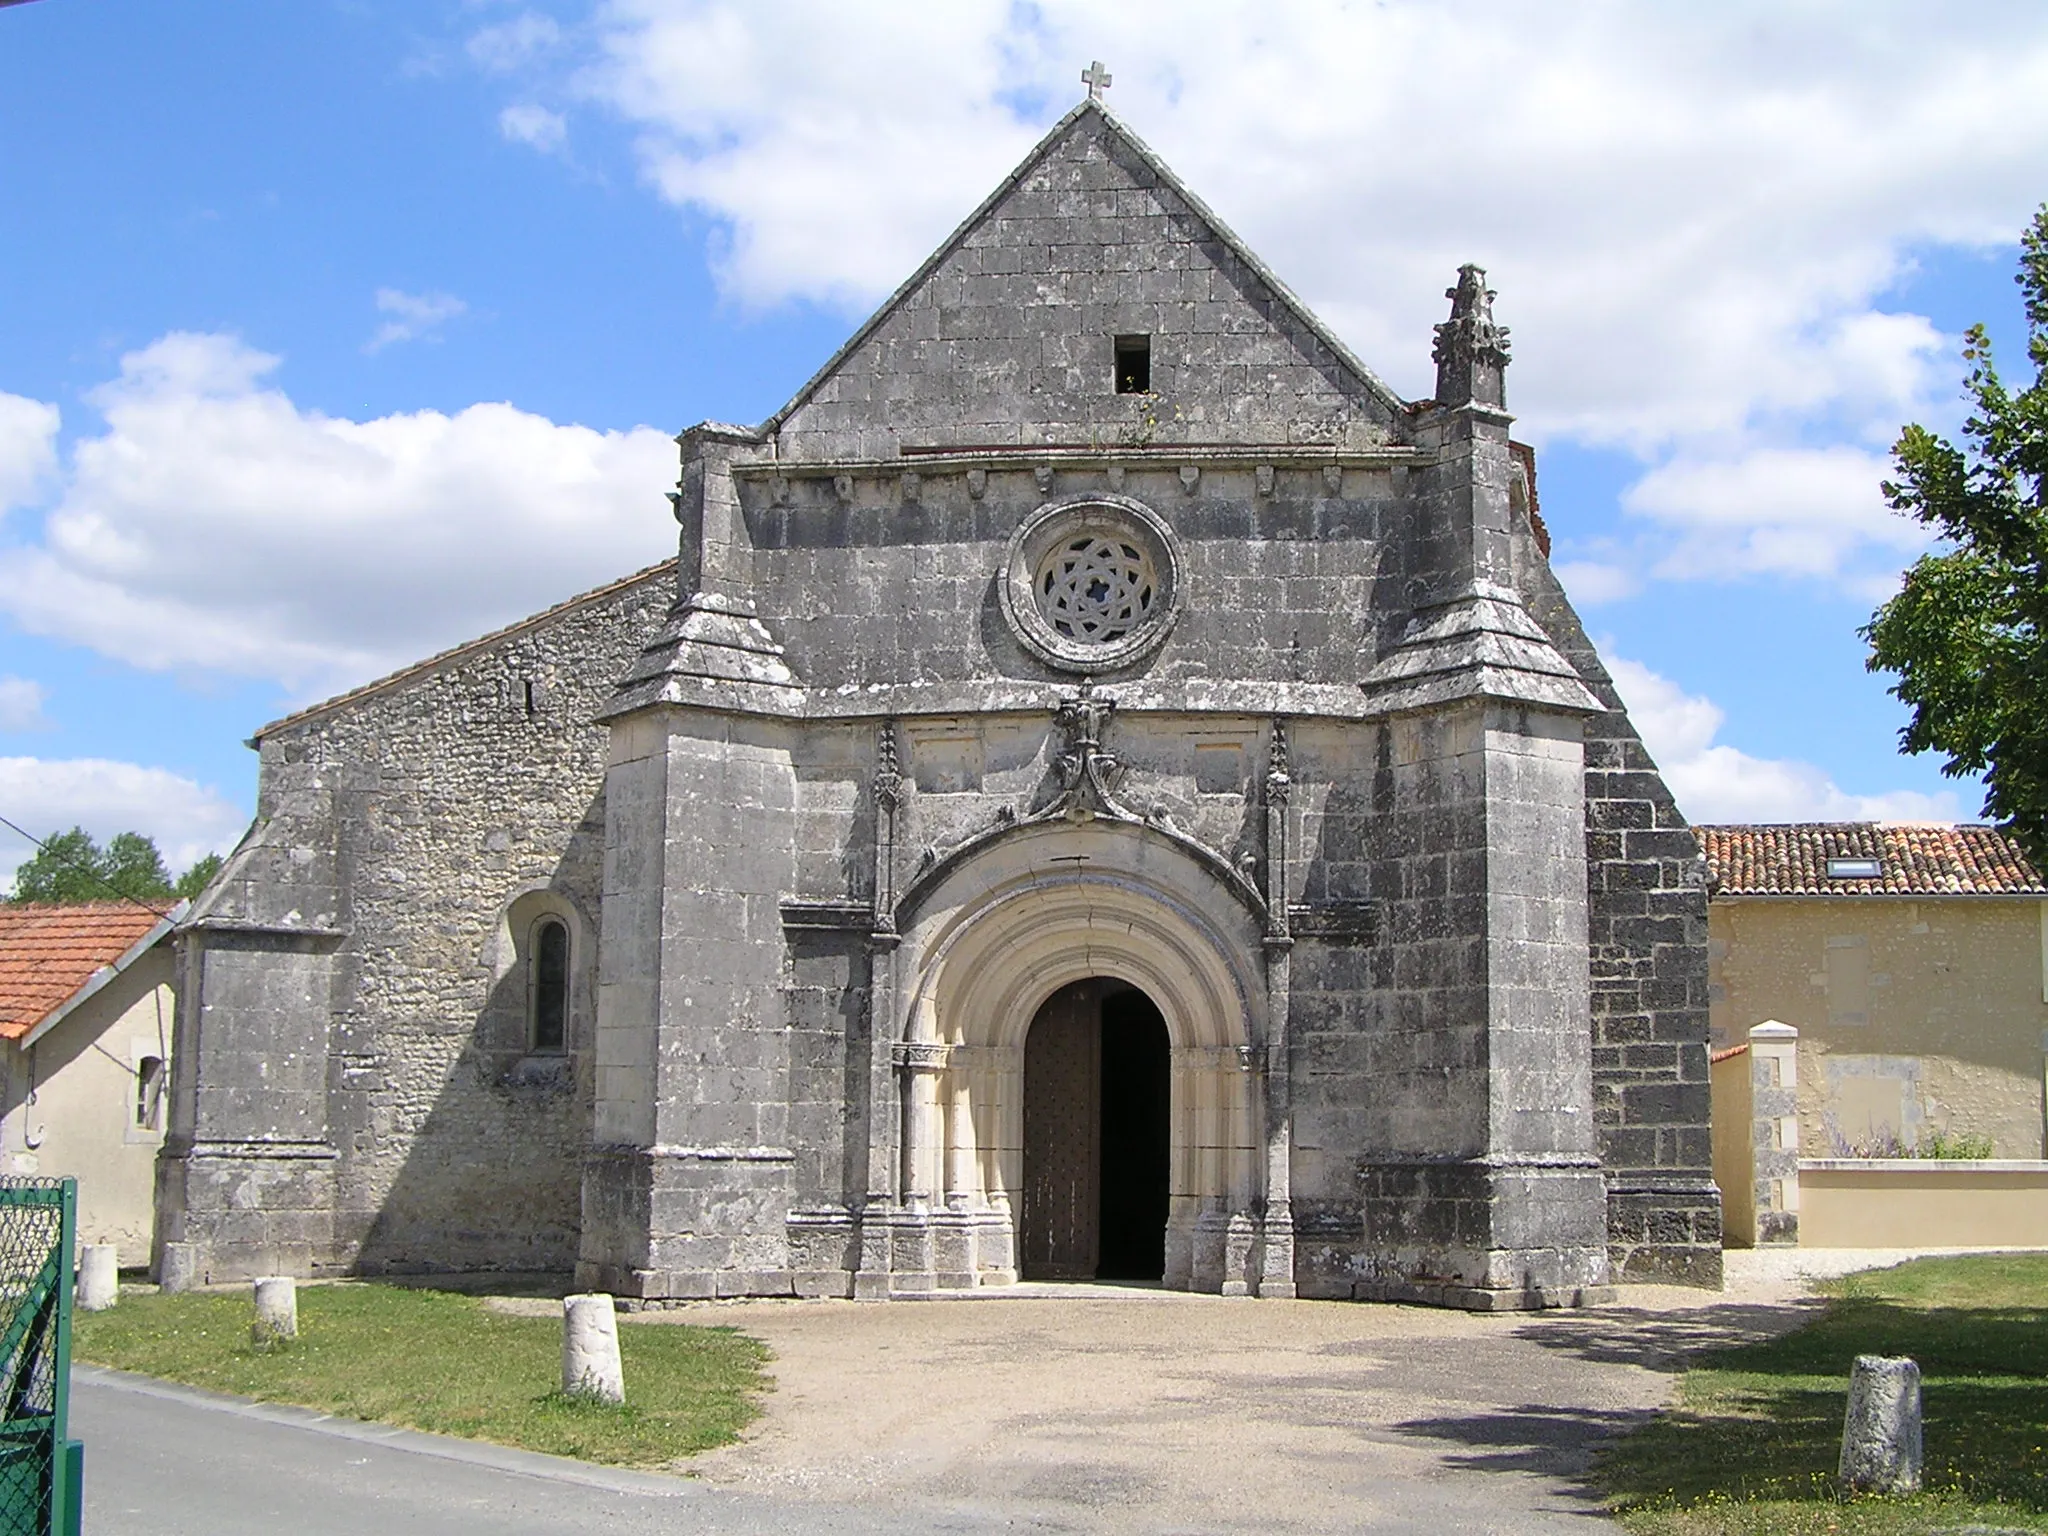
(1034, 911)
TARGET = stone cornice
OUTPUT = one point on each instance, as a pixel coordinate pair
(938, 461)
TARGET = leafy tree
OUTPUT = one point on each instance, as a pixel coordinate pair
(196, 879)
(1966, 632)
(132, 866)
(70, 866)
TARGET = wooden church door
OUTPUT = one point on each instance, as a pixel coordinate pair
(1060, 1234)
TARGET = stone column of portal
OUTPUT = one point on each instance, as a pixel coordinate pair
(961, 1152)
(885, 1121)
(1276, 1248)
(920, 1061)
(912, 1264)
(885, 1118)
(954, 1226)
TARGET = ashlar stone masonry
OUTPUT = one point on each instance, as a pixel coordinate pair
(1105, 788)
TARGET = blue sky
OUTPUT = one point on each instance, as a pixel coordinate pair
(336, 332)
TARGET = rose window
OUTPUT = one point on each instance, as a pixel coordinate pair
(1091, 583)
(1095, 589)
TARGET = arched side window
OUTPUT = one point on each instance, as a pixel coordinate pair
(548, 1011)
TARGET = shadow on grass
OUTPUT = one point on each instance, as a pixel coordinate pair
(1763, 1421)
(543, 1285)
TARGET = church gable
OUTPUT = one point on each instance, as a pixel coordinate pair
(1092, 301)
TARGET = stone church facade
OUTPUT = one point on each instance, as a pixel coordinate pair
(1106, 788)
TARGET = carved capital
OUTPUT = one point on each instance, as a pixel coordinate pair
(919, 1055)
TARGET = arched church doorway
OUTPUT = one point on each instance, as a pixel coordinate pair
(1097, 1135)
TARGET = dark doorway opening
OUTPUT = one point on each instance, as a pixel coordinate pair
(1097, 1132)
(1136, 1094)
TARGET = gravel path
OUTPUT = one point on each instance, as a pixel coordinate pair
(1100, 1408)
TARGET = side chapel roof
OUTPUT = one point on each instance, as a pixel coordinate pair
(1913, 859)
(461, 652)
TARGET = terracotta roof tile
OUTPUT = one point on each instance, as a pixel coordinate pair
(49, 952)
(1791, 859)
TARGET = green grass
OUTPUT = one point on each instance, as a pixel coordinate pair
(445, 1363)
(1752, 1444)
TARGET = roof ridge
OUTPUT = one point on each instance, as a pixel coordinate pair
(1230, 238)
(442, 658)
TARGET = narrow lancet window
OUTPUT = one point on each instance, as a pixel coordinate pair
(550, 984)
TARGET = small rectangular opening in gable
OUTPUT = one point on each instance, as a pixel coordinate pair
(1134, 365)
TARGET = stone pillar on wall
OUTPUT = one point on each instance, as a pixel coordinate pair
(686, 1187)
(1483, 1188)
(1774, 1130)
(245, 1181)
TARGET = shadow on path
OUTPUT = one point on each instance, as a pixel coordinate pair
(1667, 1341)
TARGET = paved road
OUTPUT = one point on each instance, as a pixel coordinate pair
(162, 1461)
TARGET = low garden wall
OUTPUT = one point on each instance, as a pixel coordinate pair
(1911, 1202)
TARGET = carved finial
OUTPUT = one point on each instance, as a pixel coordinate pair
(1471, 351)
(1096, 78)
(1279, 770)
(888, 770)
(1088, 775)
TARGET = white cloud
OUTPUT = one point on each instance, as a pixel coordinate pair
(1714, 782)
(867, 130)
(28, 447)
(21, 703)
(1589, 583)
(1691, 212)
(413, 316)
(1784, 511)
(525, 123)
(46, 795)
(217, 525)
(511, 45)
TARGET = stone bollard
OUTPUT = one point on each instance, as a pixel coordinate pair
(590, 1349)
(1881, 1432)
(178, 1269)
(99, 1277)
(277, 1309)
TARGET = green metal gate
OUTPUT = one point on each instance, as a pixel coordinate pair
(41, 1468)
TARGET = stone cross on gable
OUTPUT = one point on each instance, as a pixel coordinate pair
(1096, 78)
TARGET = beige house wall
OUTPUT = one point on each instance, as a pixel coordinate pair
(1914, 1016)
(68, 1104)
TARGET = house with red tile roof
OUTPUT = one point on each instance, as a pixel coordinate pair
(1895, 978)
(86, 1004)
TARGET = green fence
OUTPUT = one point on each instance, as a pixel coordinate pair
(41, 1468)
